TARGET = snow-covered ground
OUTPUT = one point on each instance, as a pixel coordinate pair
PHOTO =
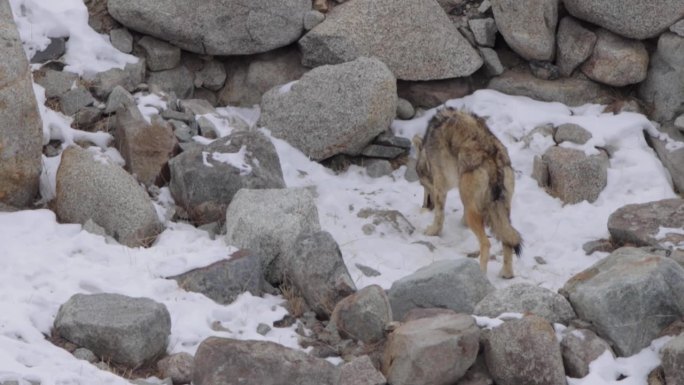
(45, 262)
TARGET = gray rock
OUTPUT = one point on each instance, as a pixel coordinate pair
(229, 361)
(21, 132)
(629, 297)
(85, 355)
(575, 45)
(679, 122)
(104, 82)
(430, 94)
(84, 183)
(248, 78)
(377, 168)
(121, 39)
(484, 31)
(432, 350)
(392, 219)
(452, 284)
(616, 61)
(367, 271)
(579, 347)
(204, 180)
(634, 19)
(531, 337)
(405, 110)
(664, 84)
(640, 224)
(525, 298)
(672, 159)
(55, 82)
(178, 367)
(217, 27)
(146, 147)
(492, 63)
(574, 176)
(394, 32)
(333, 109)
(571, 133)
(125, 330)
(159, 55)
(312, 19)
(411, 175)
(196, 107)
(53, 51)
(86, 118)
(263, 329)
(186, 117)
(603, 245)
(387, 138)
(94, 228)
(528, 26)
(212, 76)
(360, 371)
(207, 128)
(383, 152)
(313, 265)
(268, 222)
(118, 98)
(224, 280)
(182, 131)
(569, 91)
(544, 70)
(678, 28)
(673, 360)
(178, 80)
(363, 315)
(75, 99)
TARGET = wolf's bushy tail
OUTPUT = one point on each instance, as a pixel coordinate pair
(500, 222)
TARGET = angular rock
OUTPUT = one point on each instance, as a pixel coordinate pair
(414, 38)
(484, 30)
(53, 51)
(118, 98)
(634, 19)
(640, 224)
(629, 297)
(178, 80)
(104, 82)
(664, 84)
(248, 78)
(571, 133)
(525, 298)
(224, 280)
(159, 55)
(678, 28)
(84, 183)
(178, 367)
(570, 91)
(121, 39)
(492, 63)
(383, 152)
(360, 371)
(390, 219)
(315, 268)
(332, 109)
(531, 337)
(125, 330)
(575, 45)
(312, 19)
(452, 284)
(229, 361)
(212, 76)
(432, 350)
(73, 100)
(55, 82)
(196, 107)
(363, 315)
(21, 128)
(579, 347)
(430, 94)
(616, 61)
(673, 360)
(147, 148)
(528, 26)
(268, 222)
(205, 179)
(377, 168)
(574, 176)
(217, 27)
(672, 157)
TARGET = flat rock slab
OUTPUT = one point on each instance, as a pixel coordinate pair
(649, 224)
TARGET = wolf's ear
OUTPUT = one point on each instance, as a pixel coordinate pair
(417, 142)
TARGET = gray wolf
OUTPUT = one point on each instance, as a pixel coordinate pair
(458, 149)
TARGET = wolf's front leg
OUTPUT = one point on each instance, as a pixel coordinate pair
(439, 198)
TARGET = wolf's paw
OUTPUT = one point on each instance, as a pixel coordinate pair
(506, 274)
(433, 231)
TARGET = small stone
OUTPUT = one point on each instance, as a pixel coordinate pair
(679, 122)
(263, 329)
(540, 260)
(602, 245)
(121, 39)
(484, 30)
(572, 133)
(377, 168)
(75, 99)
(85, 355)
(678, 28)
(405, 110)
(367, 271)
(368, 229)
(383, 152)
(312, 19)
(492, 62)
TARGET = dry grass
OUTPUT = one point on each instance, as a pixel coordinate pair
(294, 303)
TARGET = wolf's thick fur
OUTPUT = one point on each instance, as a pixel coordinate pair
(458, 149)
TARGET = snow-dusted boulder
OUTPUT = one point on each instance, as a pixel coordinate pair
(579, 348)
(216, 27)
(21, 133)
(333, 109)
(415, 38)
(528, 26)
(526, 298)
(648, 224)
(204, 179)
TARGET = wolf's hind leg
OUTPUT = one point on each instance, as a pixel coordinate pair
(439, 198)
(476, 224)
(507, 269)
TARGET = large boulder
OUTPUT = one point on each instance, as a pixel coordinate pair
(415, 38)
(458, 285)
(205, 179)
(528, 26)
(363, 315)
(216, 27)
(671, 151)
(434, 350)
(673, 360)
(333, 109)
(634, 19)
(575, 45)
(616, 61)
(93, 189)
(629, 297)
(360, 371)
(125, 330)
(526, 298)
(647, 224)
(579, 347)
(21, 130)
(530, 337)
(571, 175)
(269, 221)
(664, 84)
(229, 361)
